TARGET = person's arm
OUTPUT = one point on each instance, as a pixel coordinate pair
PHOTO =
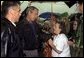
(53, 46)
(4, 42)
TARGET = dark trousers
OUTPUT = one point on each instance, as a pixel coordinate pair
(31, 53)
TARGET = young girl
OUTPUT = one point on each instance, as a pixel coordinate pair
(60, 47)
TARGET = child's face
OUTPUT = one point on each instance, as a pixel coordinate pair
(56, 28)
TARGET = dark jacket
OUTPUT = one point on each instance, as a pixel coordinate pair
(10, 43)
(28, 33)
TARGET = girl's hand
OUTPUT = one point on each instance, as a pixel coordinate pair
(70, 43)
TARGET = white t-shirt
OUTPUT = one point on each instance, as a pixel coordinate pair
(60, 42)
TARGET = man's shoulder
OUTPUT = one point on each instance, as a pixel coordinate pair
(22, 23)
(4, 25)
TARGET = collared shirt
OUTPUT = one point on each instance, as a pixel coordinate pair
(60, 42)
(13, 23)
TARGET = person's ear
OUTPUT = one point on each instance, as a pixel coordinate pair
(11, 11)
